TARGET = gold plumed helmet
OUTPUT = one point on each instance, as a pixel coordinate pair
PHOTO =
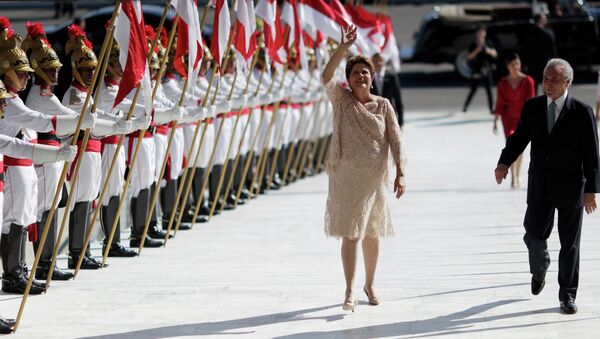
(4, 94)
(81, 51)
(113, 59)
(42, 55)
(154, 61)
(12, 57)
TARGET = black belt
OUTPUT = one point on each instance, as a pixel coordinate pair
(48, 137)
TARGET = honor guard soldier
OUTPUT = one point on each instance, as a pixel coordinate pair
(86, 189)
(20, 149)
(20, 178)
(111, 199)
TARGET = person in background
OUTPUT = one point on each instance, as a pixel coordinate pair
(387, 85)
(598, 99)
(481, 55)
(542, 37)
(511, 93)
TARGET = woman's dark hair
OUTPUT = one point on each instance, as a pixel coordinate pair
(508, 58)
(359, 59)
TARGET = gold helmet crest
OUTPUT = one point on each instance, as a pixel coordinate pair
(81, 51)
(42, 55)
(12, 57)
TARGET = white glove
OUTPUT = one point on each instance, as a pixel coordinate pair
(142, 122)
(66, 124)
(123, 126)
(89, 120)
(177, 112)
(45, 153)
(223, 107)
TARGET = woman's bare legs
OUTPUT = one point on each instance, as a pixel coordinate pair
(349, 254)
(515, 171)
(370, 246)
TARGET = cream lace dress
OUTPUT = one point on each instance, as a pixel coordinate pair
(359, 165)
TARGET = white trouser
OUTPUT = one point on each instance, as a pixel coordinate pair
(176, 154)
(265, 140)
(142, 176)
(87, 187)
(160, 148)
(20, 189)
(207, 145)
(296, 125)
(223, 141)
(48, 176)
(254, 128)
(282, 126)
(188, 135)
(237, 135)
(117, 178)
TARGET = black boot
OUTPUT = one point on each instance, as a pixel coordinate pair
(6, 325)
(139, 210)
(14, 279)
(230, 199)
(108, 215)
(168, 194)
(213, 183)
(43, 269)
(78, 225)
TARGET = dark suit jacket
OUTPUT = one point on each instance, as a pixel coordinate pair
(564, 164)
(391, 91)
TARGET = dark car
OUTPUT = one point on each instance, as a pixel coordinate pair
(447, 31)
(94, 27)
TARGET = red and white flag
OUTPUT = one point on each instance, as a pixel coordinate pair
(245, 40)
(268, 11)
(221, 30)
(321, 16)
(291, 16)
(344, 19)
(390, 49)
(131, 37)
(368, 24)
(189, 38)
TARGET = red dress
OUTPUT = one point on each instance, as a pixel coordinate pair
(510, 101)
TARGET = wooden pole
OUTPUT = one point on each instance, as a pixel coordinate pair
(63, 176)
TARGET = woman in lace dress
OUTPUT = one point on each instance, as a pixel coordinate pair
(365, 132)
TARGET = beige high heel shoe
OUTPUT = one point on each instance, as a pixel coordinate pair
(372, 300)
(349, 305)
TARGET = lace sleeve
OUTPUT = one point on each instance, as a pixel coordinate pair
(394, 136)
(333, 89)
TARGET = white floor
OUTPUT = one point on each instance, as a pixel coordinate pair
(457, 267)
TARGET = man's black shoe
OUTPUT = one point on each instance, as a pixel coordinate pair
(245, 194)
(119, 251)
(185, 226)
(537, 284)
(148, 242)
(6, 325)
(154, 233)
(567, 306)
(88, 263)
(41, 273)
(17, 284)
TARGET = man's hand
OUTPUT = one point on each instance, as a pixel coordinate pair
(589, 202)
(501, 172)
(399, 186)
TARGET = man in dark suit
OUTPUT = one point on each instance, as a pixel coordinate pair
(387, 85)
(563, 175)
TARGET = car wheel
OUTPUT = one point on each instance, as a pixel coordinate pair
(461, 65)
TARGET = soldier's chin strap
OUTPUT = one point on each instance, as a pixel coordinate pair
(78, 76)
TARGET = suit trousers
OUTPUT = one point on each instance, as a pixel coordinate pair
(539, 221)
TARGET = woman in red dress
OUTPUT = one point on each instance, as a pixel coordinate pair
(512, 92)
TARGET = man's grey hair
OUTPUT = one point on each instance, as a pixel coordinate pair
(567, 70)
